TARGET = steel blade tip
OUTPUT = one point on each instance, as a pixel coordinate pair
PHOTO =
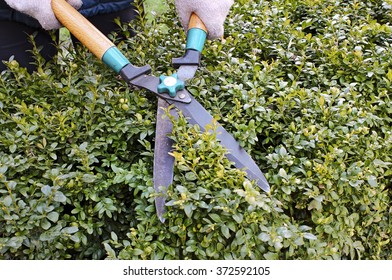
(160, 208)
(161, 219)
(265, 187)
(260, 180)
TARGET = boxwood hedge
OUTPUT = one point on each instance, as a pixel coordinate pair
(304, 86)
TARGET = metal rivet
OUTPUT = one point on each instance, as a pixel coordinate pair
(182, 95)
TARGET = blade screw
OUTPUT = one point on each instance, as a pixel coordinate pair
(170, 84)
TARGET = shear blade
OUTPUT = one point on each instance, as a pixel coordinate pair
(198, 115)
(186, 72)
(163, 162)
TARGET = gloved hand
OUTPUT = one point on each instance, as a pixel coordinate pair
(41, 10)
(212, 12)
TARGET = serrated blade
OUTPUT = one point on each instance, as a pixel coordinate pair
(242, 160)
(163, 162)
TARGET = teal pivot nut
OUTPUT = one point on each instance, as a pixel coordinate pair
(170, 84)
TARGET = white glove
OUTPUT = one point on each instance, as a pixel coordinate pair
(41, 10)
(212, 12)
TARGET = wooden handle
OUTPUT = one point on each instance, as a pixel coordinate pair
(196, 22)
(81, 28)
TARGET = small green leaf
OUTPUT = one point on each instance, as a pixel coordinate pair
(372, 180)
(215, 217)
(46, 190)
(137, 252)
(110, 252)
(83, 146)
(286, 189)
(114, 237)
(12, 185)
(309, 236)
(48, 235)
(315, 204)
(45, 224)
(191, 248)
(190, 176)
(181, 189)
(265, 237)
(188, 208)
(70, 230)
(53, 216)
(225, 231)
(282, 173)
(238, 217)
(389, 75)
(59, 197)
(150, 208)
(98, 207)
(12, 148)
(88, 178)
(271, 256)
(282, 151)
(304, 228)
(7, 201)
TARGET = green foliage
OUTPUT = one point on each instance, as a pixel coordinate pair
(303, 85)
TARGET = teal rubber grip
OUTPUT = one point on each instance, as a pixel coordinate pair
(115, 59)
(196, 39)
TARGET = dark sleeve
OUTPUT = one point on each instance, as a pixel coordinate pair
(9, 14)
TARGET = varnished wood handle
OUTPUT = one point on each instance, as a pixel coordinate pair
(196, 22)
(81, 28)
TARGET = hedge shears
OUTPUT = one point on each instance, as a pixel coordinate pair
(170, 90)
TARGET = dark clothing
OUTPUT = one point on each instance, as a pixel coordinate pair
(97, 7)
(88, 9)
(9, 14)
(14, 42)
(16, 27)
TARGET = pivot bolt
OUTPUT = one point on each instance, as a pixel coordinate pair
(170, 84)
